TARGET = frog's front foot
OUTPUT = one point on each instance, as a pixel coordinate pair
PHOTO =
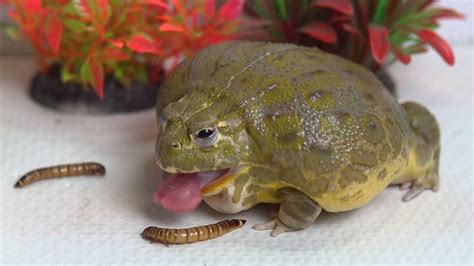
(426, 152)
(415, 187)
(297, 211)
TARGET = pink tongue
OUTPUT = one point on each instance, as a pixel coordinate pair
(179, 193)
(182, 192)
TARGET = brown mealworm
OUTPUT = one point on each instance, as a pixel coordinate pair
(192, 234)
(88, 168)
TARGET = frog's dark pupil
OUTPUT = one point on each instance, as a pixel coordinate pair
(205, 133)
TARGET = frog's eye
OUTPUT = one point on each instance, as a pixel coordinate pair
(206, 137)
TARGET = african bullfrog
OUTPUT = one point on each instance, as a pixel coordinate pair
(243, 123)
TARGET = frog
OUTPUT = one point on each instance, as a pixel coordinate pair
(243, 123)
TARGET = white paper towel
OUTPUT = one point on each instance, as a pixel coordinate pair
(98, 220)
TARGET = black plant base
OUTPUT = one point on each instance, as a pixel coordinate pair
(387, 80)
(48, 90)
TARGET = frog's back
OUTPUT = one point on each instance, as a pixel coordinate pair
(328, 125)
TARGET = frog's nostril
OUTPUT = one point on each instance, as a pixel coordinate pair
(176, 145)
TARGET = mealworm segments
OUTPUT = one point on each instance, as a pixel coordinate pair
(87, 168)
(192, 234)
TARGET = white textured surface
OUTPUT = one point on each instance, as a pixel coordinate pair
(99, 220)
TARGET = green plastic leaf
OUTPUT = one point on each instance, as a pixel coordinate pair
(74, 25)
(115, 2)
(119, 74)
(98, 9)
(414, 5)
(417, 48)
(282, 9)
(85, 47)
(141, 74)
(380, 12)
(90, 6)
(70, 9)
(415, 16)
(85, 73)
(121, 19)
(12, 32)
(258, 8)
(401, 37)
(67, 76)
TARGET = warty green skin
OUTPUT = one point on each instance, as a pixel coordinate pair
(292, 117)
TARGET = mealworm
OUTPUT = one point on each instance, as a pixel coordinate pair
(193, 234)
(88, 168)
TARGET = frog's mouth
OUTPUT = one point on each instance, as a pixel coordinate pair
(182, 192)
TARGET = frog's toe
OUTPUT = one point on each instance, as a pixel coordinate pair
(280, 229)
(415, 187)
(265, 226)
(415, 190)
(276, 225)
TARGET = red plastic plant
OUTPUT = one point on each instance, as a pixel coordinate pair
(405, 28)
(90, 39)
(186, 26)
(293, 21)
(364, 31)
(81, 36)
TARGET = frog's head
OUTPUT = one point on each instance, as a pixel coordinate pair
(198, 144)
(196, 137)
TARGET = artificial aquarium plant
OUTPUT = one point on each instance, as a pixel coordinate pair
(89, 43)
(369, 32)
